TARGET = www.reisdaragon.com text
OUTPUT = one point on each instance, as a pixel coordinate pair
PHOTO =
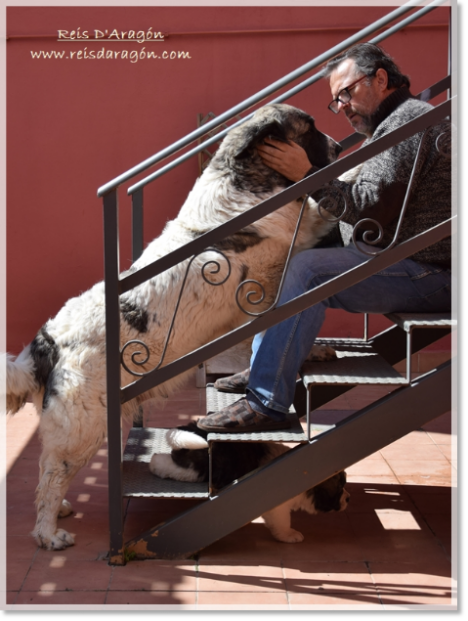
(132, 56)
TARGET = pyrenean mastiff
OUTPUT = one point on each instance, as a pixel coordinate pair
(63, 368)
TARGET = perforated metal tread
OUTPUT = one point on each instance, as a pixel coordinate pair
(356, 363)
(216, 401)
(409, 321)
(138, 481)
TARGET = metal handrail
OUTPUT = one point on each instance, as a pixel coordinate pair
(308, 185)
(261, 95)
(305, 186)
(287, 95)
(114, 285)
(293, 307)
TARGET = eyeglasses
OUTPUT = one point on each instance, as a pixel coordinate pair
(344, 96)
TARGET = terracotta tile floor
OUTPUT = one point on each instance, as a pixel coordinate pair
(391, 548)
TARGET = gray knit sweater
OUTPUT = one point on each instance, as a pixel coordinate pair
(379, 190)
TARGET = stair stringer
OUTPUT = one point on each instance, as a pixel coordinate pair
(361, 434)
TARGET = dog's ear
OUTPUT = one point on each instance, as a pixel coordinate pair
(255, 135)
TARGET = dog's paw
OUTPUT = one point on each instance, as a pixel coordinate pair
(289, 536)
(322, 353)
(65, 509)
(60, 540)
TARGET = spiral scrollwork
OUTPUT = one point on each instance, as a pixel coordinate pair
(250, 295)
(378, 237)
(331, 202)
(134, 355)
(370, 237)
(444, 143)
(216, 268)
(260, 292)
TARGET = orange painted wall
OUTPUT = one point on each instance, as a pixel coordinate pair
(74, 124)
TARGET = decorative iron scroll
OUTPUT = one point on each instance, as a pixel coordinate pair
(249, 296)
(374, 235)
(257, 294)
(371, 237)
(366, 236)
(444, 143)
(216, 268)
(329, 202)
(134, 356)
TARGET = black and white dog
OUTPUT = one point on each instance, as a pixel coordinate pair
(188, 461)
(63, 368)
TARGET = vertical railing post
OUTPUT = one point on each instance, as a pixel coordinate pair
(137, 224)
(114, 429)
(449, 53)
(137, 250)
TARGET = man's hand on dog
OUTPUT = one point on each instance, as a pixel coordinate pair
(287, 158)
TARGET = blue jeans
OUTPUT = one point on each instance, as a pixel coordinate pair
(278, 353)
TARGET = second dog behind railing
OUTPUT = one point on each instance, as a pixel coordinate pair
(188, 461)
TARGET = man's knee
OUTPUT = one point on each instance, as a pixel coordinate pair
(313, 267)
(301, 269)
(304, 273)
(320, 262)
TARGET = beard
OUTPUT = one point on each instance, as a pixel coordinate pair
(361, 123)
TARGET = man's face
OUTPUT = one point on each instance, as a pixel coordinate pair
(366, 95)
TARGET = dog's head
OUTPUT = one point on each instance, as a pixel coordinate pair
(238, 152)
(330, 495)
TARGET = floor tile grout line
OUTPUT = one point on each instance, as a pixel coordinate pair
(108, 585)
(286, 590)
(27, 573)
(377, 591)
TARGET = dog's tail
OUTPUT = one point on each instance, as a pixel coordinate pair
(31, 371)
(20, 380)
(186, 439)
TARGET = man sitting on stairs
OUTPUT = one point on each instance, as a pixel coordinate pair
(369, 88)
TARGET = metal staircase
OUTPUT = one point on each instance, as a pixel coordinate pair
(320, 451)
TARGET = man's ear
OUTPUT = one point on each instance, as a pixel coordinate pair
(255, 135)
(382, 79)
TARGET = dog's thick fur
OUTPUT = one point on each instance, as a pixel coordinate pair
(63, 368)
(188, 461)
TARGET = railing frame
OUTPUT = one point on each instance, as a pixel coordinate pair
(115, 285)
(263, 94)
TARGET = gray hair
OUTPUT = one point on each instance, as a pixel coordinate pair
(369, 58)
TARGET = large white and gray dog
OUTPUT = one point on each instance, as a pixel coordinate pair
(63, 368)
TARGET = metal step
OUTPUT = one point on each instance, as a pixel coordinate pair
(356, 363)
(410, 321)
(138, 481)
(216, 401)
(370, 429)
